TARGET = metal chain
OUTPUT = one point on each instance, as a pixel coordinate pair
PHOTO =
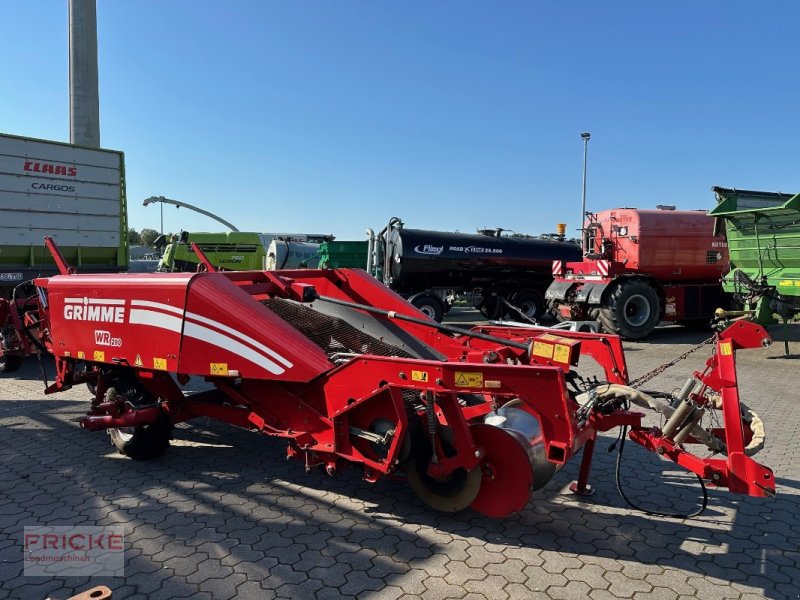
(517, 310)
(660, 369)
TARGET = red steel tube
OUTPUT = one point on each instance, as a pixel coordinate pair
(143, 416)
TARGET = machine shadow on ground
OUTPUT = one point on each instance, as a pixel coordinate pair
(231, 498)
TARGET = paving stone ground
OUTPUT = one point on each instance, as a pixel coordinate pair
(223, 515)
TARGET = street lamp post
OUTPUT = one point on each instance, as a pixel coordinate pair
(585, 137)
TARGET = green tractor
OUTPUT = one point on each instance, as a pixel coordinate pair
(763, 230)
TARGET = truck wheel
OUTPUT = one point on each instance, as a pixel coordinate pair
(529, 302)
(10, 363)
(429, 304)
(631, 309)
(492, 308)
(144, 442)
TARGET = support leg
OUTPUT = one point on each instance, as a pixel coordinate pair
(582, 487)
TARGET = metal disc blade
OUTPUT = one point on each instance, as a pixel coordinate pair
(448, 496)
(507, 474)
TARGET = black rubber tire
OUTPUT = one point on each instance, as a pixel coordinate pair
(631, 309)
(146, 442)
(10, 363)
(431, 305)
(143, 442)
(492, 308)
(530, 302)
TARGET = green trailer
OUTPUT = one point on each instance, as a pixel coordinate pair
(346, 254)
(763, 230)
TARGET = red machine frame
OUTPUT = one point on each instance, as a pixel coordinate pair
(446, 417)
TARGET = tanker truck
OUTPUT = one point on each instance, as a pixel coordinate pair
(640, 267)
(430, 267)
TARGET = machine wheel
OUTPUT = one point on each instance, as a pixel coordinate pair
(449, 495)
(144, 442)
(10, 363)
(631, 309)
(529, 302)
(429, 304)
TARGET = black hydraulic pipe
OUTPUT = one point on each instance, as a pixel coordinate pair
(429, 323)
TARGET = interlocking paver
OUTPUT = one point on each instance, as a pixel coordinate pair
(240, 522)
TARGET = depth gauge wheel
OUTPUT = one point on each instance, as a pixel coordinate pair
(451, 494)
(143, 442)
(448, 494)
(631, 310)
(10, 363)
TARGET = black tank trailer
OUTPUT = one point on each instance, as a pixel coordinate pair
(426, 265)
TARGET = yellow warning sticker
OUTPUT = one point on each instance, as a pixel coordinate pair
(81, 354)
(160, 363)
(469, 379)
(219, 368)
(419, 376)
(726, 349)
(543, 350)
(138, 362)
(561, 353)
(99, 356)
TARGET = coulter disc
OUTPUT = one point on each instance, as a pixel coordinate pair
(507, 474)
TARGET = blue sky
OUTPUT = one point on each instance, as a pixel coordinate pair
(333, 116)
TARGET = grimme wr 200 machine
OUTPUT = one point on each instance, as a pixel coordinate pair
(351, 374)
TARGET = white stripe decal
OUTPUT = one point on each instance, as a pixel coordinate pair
(198, 332)
(241, 336)
(159, 305)
(155, 319)
(201, 319)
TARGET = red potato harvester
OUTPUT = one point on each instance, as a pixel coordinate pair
(349, 373)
